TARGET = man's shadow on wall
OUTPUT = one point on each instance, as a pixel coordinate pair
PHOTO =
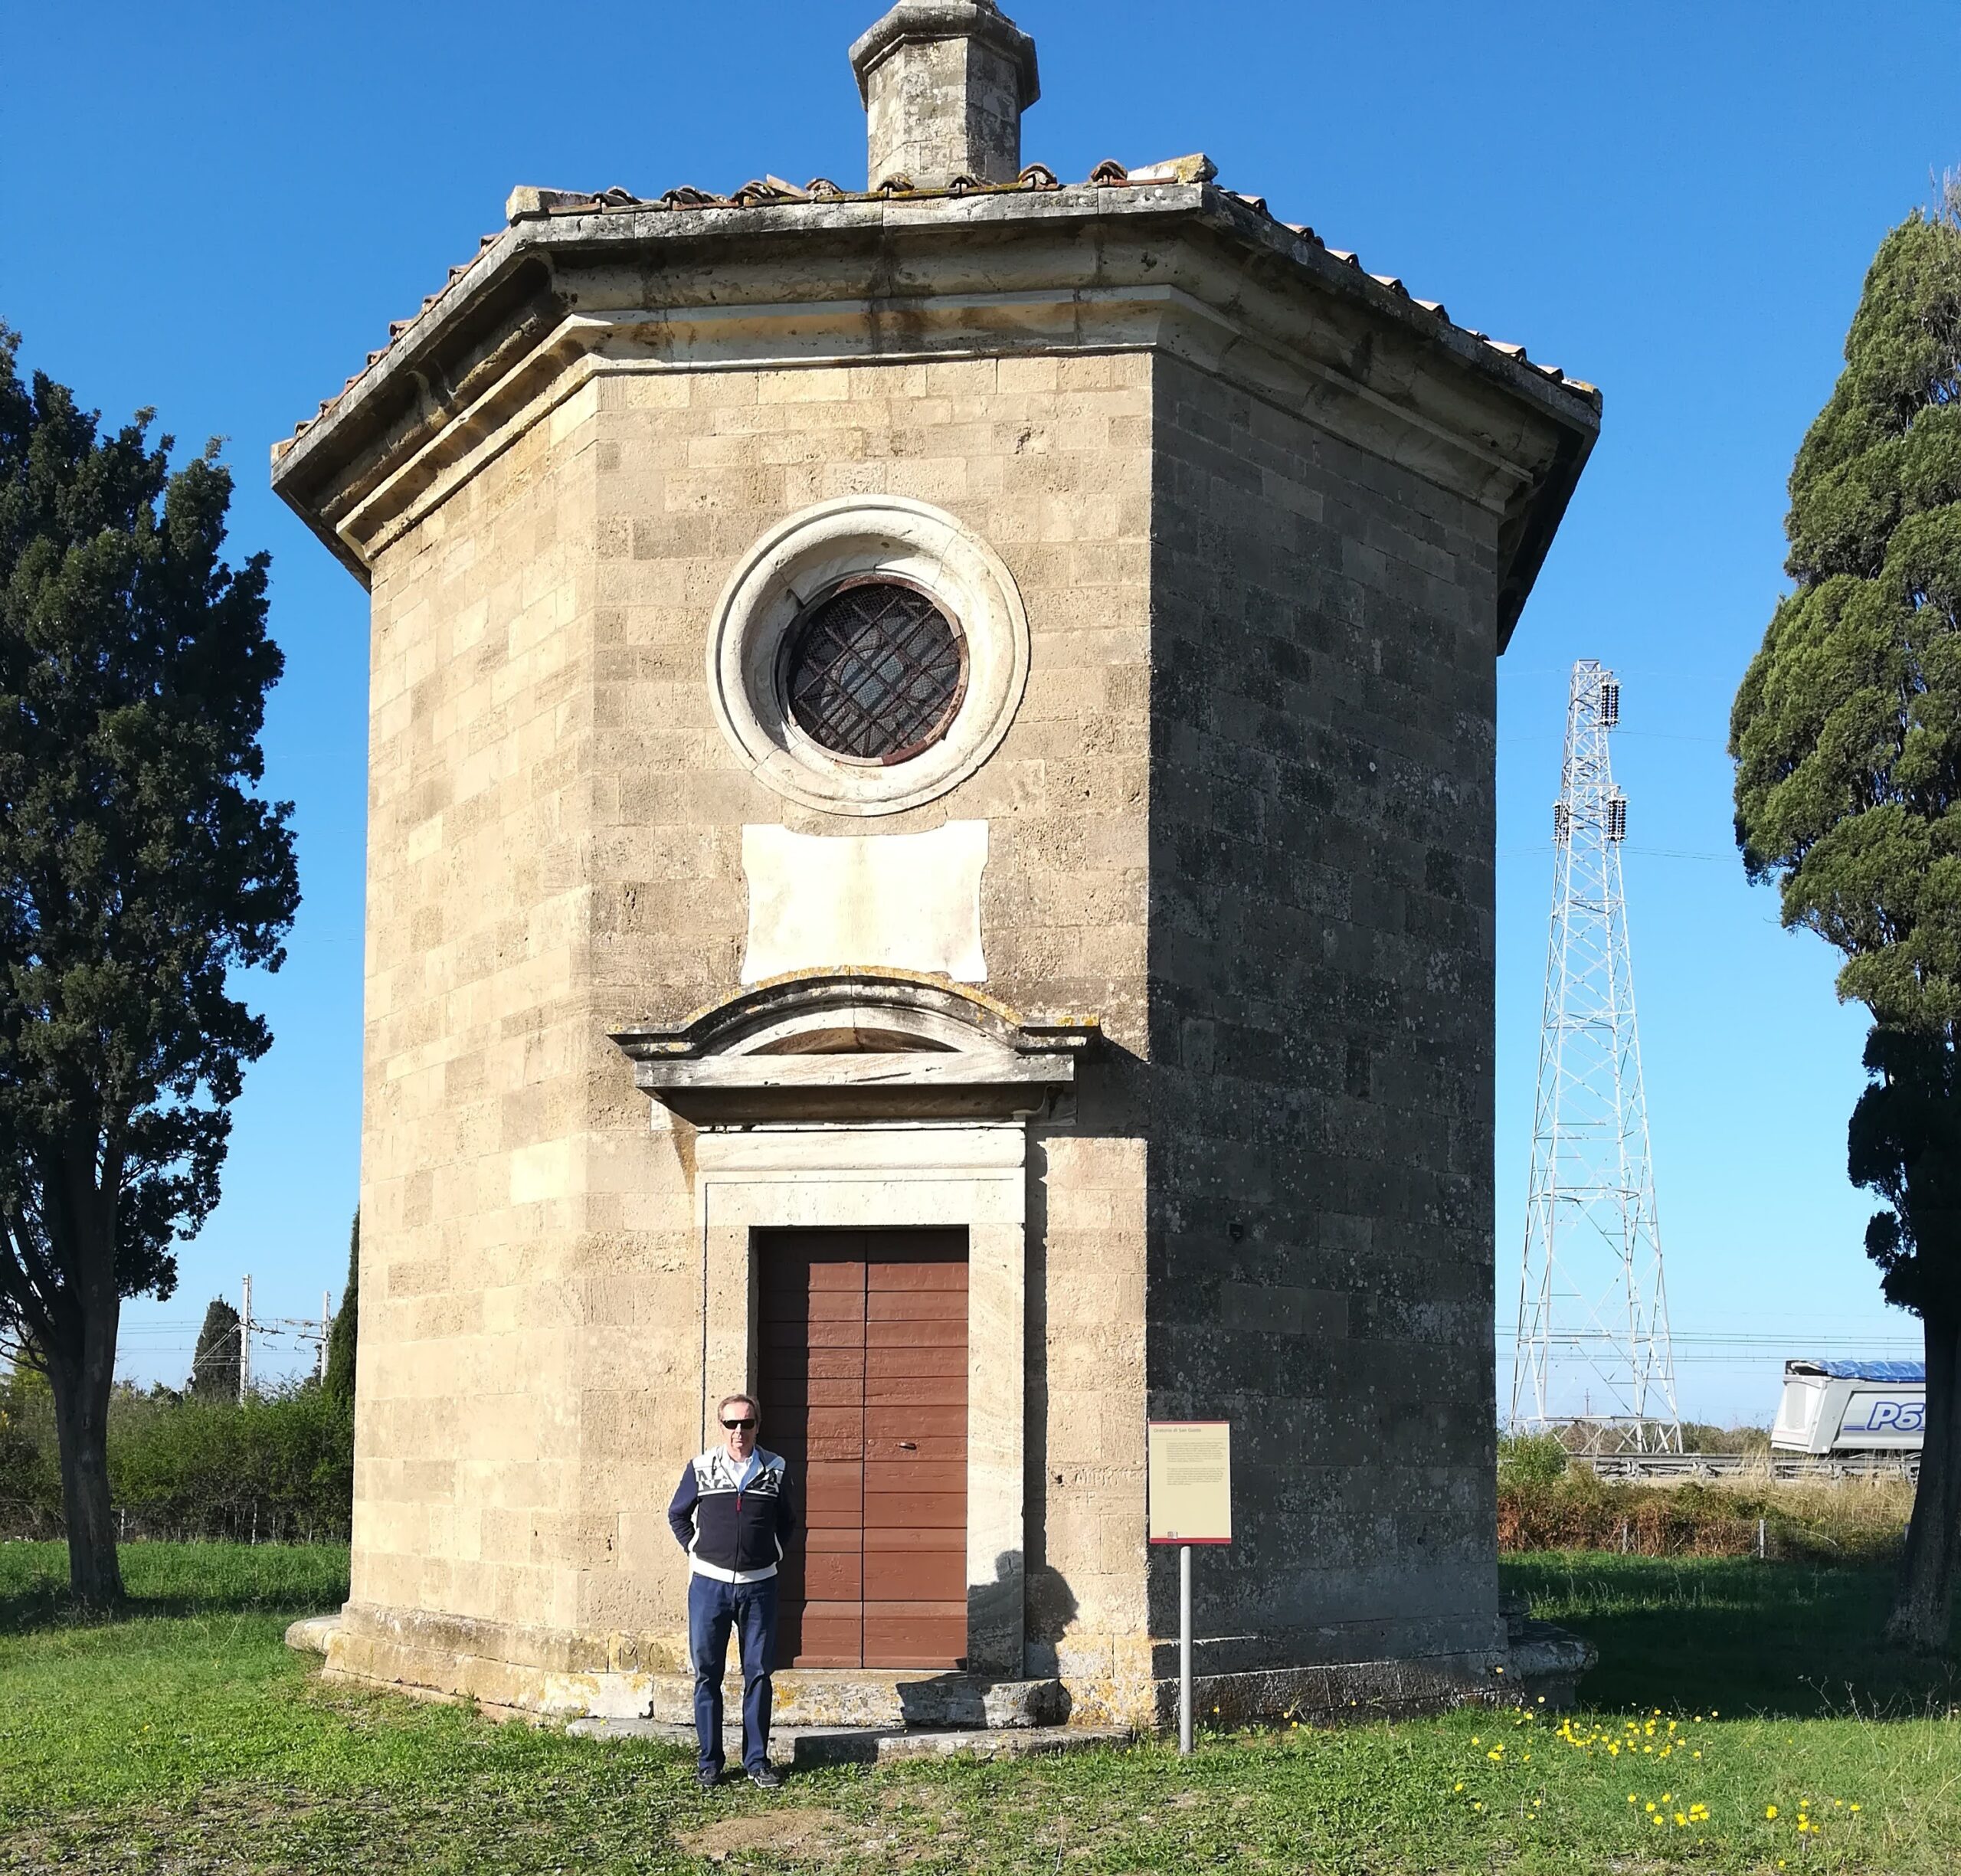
(966, 1698)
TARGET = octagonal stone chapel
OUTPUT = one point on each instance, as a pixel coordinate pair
(930, 857)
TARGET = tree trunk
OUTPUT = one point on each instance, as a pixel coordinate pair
(81, 1382)
(1922, 1603)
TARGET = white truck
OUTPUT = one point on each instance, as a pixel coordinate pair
(1851, 1406)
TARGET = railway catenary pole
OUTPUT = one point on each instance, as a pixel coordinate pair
(245, 1343)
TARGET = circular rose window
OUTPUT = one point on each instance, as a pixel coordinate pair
(874, 672)
(867, 655)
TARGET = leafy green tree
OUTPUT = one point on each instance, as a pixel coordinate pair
(214, 1365)
(138, 867)
(1846, 731)
(345, 1333)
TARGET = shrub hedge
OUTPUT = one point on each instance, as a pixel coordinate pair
(278, 1467)
(1852, 1521)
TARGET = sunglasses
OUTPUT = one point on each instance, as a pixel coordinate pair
(744, 1425)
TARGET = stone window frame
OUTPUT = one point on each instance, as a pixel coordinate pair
(810, 554)
(912, 1176)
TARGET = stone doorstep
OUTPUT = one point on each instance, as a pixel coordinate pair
(311, 1633)
(808, 1748)
(894, 1700)
(1549, 1661)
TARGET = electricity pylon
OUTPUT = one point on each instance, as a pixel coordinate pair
(1592, 1356)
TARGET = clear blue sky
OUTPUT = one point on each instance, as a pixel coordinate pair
(217, 209)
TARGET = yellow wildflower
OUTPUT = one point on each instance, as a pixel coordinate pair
(1770, 1810)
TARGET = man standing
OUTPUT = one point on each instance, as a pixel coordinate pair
(731, 1513)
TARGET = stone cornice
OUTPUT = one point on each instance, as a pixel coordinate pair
(1184, 267)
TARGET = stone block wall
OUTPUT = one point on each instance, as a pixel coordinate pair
(1244, 814)
(555, 853)
(1321, 951)
(476, 1054)
(1047, 459)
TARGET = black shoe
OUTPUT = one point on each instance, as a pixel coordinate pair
(708, 1777)
(766, 1777)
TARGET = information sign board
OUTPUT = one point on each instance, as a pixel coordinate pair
(1190, 1477)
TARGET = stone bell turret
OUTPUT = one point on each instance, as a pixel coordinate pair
(945, 83)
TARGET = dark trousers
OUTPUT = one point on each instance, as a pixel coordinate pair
(749, 1609)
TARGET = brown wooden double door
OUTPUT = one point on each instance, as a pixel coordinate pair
(862, 1370)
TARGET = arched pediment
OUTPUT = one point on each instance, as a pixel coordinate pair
(857, 1045)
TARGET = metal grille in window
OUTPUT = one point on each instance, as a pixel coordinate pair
(875, 672)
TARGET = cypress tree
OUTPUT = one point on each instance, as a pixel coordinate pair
(346, 1332)
(214, 1366)
(139, 869)
(1846, 731)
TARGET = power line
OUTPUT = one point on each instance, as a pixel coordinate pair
(178, 1332)
(1789, 1342)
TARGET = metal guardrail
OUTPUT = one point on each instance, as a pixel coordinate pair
(1668, 1468)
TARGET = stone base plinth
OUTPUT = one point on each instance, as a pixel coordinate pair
(446, 1658)
(537, 1673)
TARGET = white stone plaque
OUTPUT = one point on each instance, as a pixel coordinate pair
(909, 901)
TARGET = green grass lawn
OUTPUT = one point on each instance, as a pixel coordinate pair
(185, 1739)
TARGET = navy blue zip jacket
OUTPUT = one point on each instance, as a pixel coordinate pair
(735, 1532)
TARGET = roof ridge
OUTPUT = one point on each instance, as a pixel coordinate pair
(530, 203)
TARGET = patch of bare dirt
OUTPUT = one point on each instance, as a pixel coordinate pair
(809, 1832)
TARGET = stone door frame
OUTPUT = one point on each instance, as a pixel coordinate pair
(971, 1174)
